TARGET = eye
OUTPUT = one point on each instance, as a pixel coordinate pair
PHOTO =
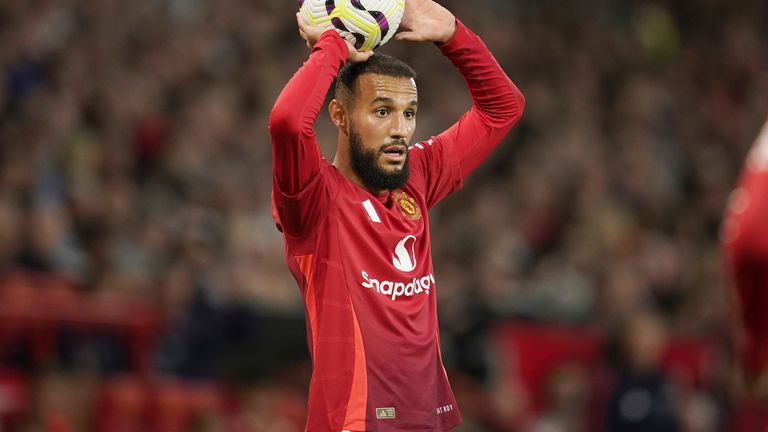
(410, 115)
(382, 112)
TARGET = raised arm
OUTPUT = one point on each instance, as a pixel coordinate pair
(497, 103)
(296, 155)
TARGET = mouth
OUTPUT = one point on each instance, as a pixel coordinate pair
(395, 153)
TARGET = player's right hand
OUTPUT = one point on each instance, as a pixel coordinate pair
(426, 21)
(312, 33)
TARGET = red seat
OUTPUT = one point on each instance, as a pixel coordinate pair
(14, 398)
(691, 361)
(33, 307)
(122, 405)
(178, 404)
(530, 352)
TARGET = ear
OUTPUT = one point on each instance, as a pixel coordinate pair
(338, 115)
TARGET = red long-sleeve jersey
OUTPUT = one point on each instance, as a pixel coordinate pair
(745, 247)
(362, 261)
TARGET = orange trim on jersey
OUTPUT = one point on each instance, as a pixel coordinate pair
(307, 267)
(358, 397)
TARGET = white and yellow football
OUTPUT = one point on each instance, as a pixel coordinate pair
(366, 24)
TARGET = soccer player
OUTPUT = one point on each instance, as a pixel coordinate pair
(356, 230)
(745, 246)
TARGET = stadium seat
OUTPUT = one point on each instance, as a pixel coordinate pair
(122, 405)
(14, 398)
(179, 405)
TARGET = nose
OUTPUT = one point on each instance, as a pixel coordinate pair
(399, 127)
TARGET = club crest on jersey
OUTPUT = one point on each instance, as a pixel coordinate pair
(409, 208)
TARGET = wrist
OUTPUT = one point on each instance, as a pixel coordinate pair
(333, 40)
(330, 36)
(450, 33)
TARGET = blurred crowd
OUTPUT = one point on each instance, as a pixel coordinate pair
(135, 163)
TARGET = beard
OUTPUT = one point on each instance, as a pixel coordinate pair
(365, 164)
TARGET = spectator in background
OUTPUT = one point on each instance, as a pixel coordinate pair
(643, 399)
(567, 396)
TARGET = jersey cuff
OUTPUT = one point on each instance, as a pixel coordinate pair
(459, 35)
(334, 43)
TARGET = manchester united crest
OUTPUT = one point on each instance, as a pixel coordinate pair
(407, 204)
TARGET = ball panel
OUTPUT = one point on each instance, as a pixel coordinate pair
(357, 5)
(367, 24)
(394, 14)
(359, 24)
(330, 5)
(381, 20)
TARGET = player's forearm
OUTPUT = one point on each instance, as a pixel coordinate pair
(497, 100)
(295, 154)
(300, 101)
(498, 104)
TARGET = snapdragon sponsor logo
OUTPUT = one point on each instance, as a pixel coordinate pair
(394, 289)
(404, 259)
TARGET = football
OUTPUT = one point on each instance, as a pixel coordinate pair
(366, 24)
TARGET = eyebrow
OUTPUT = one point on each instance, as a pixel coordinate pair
(391, 101)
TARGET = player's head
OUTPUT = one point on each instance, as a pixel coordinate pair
(375, 110)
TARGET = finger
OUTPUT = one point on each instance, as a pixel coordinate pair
(302, 28)
(360, 56)
(408, 36)
(300, 21)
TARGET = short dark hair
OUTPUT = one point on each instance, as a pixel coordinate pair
(379, 64)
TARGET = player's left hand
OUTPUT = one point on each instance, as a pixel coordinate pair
(426, 21)
(312, 33)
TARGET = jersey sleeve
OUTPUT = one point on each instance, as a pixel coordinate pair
(445, 160)
(745, 242)
(298, 189)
